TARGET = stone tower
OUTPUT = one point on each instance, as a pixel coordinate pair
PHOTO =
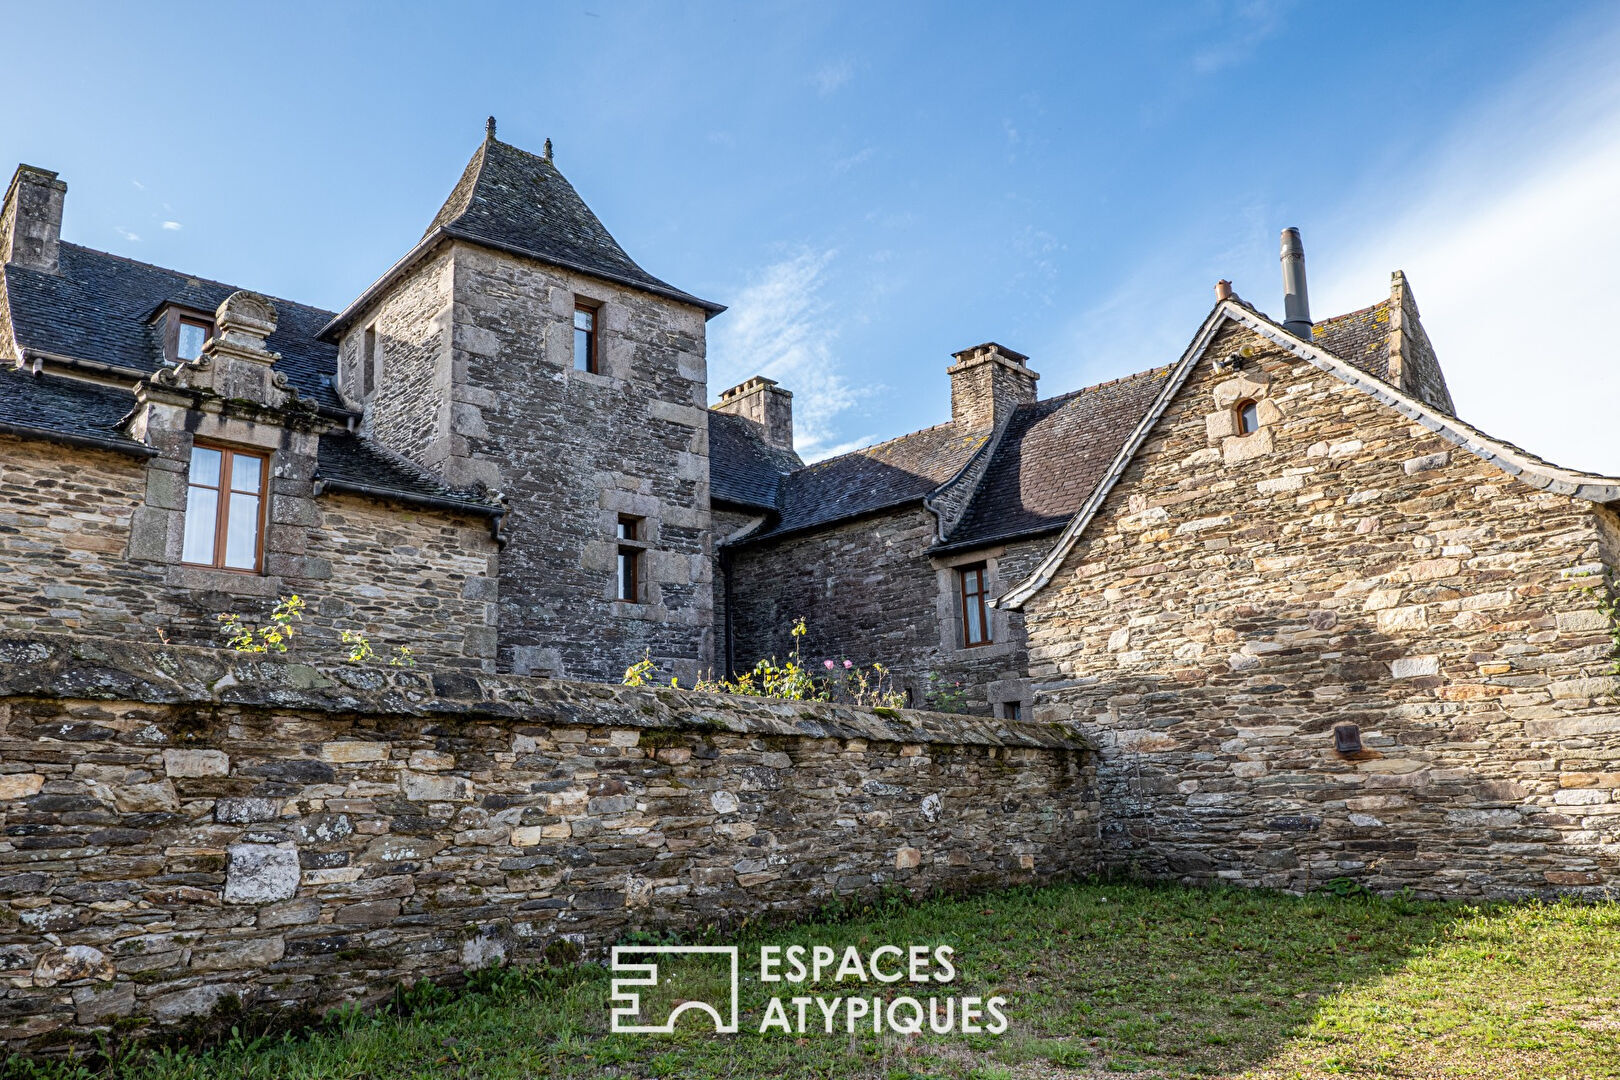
(517, 348)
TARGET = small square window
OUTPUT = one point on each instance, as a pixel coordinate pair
(1012, 710)
(190, 338)
(585, 343)
(224, 524)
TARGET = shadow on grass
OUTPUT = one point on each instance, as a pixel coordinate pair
(1099, 976)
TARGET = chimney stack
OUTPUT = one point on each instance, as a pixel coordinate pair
(766, 404)
(1223, 290)
(988, 382)
(31, 220)
(1296, 301)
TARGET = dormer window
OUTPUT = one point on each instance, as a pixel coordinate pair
(190, 337)
(185, 333)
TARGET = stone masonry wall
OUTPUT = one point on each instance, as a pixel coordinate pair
(426, 579)
(573, 450)
(868, 591)
(1239, 596)
(185, 830)
(409, 409)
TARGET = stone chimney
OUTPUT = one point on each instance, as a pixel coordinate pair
(766, 404)
(31, 219)
(988, 382)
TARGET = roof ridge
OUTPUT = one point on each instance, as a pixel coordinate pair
(192, 277)
(1352, 314)
(886, 442)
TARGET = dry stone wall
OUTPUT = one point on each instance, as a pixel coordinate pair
(186, 831)
(1239, 596)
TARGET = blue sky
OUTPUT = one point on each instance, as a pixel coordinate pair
(873, 186)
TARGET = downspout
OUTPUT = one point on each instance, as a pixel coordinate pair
(728, 649)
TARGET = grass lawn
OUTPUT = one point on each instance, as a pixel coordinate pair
(1101, 979)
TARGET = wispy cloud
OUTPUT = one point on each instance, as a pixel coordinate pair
(844, 164)
(173, 226)
(1512, 246)
(126, 234)
(780, 327)
(1247, 26)
(138, 185)
(833, 76)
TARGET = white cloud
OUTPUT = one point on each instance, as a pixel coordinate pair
(780, 327)
(1245, 28)
(126, 234)
(173, 226)
(843, 165)
(831, 77)
(1512, 247)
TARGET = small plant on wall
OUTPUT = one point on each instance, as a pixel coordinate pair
(946, 695)
(277, 633)
(869, 687)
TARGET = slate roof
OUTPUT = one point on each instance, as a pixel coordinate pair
(100, 308)
(1048, 461)
(1360, 338)
(1052, 456)
(877, 478)
(743, 468)
(349, 463)
(517, 201)
(55, 406)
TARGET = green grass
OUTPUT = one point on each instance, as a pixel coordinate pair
(1102, 979)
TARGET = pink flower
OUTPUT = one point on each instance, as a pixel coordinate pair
(829, 664)
(848, 664)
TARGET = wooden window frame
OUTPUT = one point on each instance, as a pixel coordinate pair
(974, 599)
(1237, 415)
(222, 505)
(172, 321)
(628, 563)
(593, 336)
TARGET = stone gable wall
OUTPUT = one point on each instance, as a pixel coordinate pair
(573, 450)
(409, 409)
(1237, 597)
(186, 829)
(69, 563)
(869, 592)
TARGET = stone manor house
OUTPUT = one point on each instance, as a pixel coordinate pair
(1286, 589)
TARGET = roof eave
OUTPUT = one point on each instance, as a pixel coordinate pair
(443, 233)
(87, 441)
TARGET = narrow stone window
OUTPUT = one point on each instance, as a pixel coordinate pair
(368, 361)
(630, 553)
(975, 615)
(1248, 416)
(225, 509)
(585, 344)
(1012, 710)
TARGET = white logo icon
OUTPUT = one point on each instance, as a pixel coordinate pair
(626, 1002)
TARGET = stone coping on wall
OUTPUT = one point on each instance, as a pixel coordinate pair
(61, 666)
